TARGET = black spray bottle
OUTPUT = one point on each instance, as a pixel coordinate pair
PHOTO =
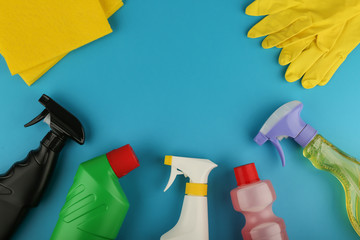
(22, 186)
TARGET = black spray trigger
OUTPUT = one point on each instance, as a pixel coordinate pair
(60, 120)
(38, 118)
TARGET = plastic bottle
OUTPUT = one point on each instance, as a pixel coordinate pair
(23, 185)
(193, 221)
(286, 122)
(96, 204)
(254, 199)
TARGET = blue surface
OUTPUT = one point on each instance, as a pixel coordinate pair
(182, 78)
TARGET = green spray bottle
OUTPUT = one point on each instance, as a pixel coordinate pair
(96, 205)
(286, 122)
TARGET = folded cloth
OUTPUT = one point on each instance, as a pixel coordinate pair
(31, 75)
(34, 32)
(111, 6)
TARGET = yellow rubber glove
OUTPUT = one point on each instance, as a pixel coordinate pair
(33, 74)
(322, 71)
(317, 66)
(304, 53)
(296, 20)
(323, 41)
(289, 53)
(34, 32)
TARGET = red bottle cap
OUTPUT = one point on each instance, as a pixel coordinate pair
(122, 160)
(246, 174)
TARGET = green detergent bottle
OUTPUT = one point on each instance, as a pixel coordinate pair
(96, 205)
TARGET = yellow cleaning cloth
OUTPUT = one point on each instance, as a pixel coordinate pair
(33, 74)
(110, 6)
(34, 32)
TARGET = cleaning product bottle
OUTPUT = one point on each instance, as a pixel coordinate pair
(254, 198)
(22, 186)
(96, 204)
(193, 221)
(286, 122)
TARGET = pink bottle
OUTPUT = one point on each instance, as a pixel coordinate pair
(254, 199)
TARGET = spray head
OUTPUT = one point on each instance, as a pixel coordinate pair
(196, 169)
(61, 122)
(283, 123)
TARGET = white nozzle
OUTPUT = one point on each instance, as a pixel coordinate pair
(196, 169)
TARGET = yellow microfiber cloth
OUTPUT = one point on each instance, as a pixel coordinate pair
(32, 75)
(111, 6)
(37, 31)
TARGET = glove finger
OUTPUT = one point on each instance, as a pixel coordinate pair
(289, 53)
(272, 24)
(339, 57)
(266, 7)
(327, 39)
(345, 43)
(330, 32)
(318, 70)
(331, 71)
(289, 31)
(302, 63)
(324, 41)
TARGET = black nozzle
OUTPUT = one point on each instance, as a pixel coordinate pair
(60, 120)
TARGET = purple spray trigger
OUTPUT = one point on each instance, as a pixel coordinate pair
(286, 122)
(260, 139)
(278, 147)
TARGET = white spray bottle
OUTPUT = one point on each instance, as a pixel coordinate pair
(193, 221)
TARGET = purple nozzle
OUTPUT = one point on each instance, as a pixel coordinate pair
(286, 122)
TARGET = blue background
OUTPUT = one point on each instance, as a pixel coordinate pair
(181, 78)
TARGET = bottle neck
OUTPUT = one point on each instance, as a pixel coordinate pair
(196, 189)
(305, 136)
(54, 142)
